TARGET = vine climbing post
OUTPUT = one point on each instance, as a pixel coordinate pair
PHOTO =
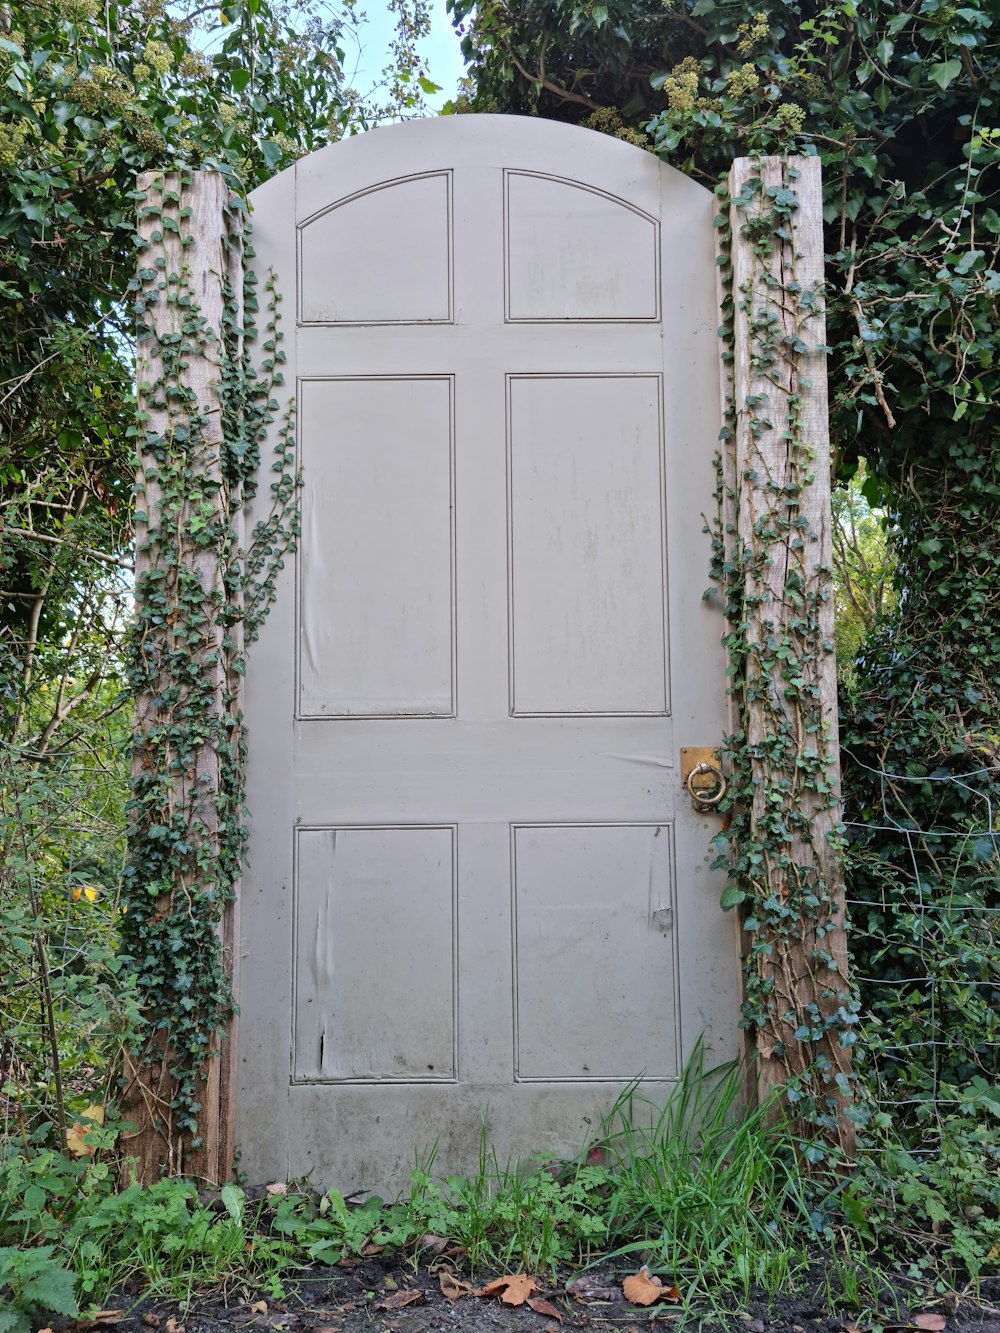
(184, 862)
(785, 835)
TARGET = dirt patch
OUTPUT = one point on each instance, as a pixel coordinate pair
(394, 1295)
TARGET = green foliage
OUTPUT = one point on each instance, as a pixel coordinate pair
(933, 1207)
(66, 1003)
(504, 1216)
(162, 1236)
(863, 569)
(36, 1282)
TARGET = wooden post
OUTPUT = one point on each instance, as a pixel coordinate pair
(184, 225)
(778, 477)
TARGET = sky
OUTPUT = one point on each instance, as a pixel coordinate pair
(440, 49)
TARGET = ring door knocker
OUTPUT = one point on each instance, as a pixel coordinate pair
(703, 778)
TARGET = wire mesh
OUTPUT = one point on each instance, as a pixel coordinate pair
(924, 911)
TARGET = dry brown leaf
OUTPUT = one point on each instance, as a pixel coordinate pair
(259, 1307)
(396, 1301)
(151, 1320)
(514, 1289)
(541, 1306)
(172, 1326)
(519, 1288)
(452, 1287)
(436, 1244)
(643, 1288)
(277, 1187)
(94, 1116)
(369, 1251)
(930, 1321)
(108, 1316)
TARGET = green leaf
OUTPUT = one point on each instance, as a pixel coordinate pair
(271, 152)
(234, 1201)
(732, 896)
(945, 73)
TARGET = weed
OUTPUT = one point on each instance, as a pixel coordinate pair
(36, 1281)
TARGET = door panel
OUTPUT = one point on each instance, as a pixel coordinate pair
(475, 889)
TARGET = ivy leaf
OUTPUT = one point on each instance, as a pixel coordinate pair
(732, 896)
(945, 73)
(271, 153)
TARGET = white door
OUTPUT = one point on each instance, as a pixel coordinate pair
(476, 885)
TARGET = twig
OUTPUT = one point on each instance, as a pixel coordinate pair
(67, 541)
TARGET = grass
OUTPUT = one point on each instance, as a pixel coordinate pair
(708, 1193)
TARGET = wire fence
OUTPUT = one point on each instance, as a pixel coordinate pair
(924, 909)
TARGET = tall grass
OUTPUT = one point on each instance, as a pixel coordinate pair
(705, 1189)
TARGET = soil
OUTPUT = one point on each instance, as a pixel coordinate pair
(392, 1294)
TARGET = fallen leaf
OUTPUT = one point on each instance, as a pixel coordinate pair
(437, 1244)
(94, 1116)
(541, 1306)
(151, 1320)
(519, 1288)
(930, 1321)
(277, 1187)
(398, 1299)
(452, 1287)
(259, 1307)
(369, 1251)
(643, 1288)
(172, 1326)
(592, 1289)
(514, 1289)
(107, 1316)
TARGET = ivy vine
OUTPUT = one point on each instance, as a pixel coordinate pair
(783, 844)
(201, 595)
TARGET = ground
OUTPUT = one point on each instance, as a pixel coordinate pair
(393, 1294)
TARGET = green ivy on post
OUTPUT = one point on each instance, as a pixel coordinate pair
(783, 847)
(201, 592)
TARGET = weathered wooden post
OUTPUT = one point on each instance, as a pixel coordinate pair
(777, 513)
(184, 861)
